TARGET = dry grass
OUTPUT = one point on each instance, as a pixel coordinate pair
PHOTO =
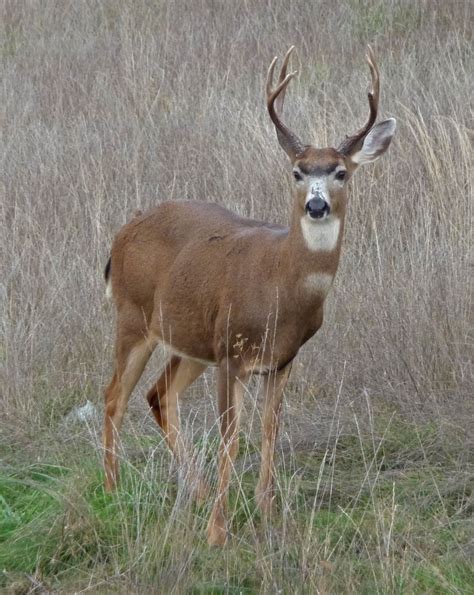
(112, 106)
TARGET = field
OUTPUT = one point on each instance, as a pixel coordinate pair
(112, 106)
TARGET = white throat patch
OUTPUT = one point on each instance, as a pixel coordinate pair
(320, 235)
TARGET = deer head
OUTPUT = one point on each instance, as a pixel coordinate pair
(321, 174)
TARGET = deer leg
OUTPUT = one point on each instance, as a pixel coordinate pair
(179, 373)
(229, 401)
(274, 385)
(156, 396)
(132, 357)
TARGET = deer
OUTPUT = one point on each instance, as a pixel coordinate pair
(241, 295)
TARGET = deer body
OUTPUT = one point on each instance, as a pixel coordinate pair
(239, 294)
(255, 290)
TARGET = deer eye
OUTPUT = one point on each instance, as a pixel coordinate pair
(340, 175)
(296, 174)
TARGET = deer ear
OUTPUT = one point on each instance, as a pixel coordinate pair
(375, 143)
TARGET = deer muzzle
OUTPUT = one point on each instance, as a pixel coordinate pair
(317, 208)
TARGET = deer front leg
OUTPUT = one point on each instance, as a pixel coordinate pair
(274, 386)
(229, 406)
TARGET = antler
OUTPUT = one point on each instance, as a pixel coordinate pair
(351, 142)
(287, 139)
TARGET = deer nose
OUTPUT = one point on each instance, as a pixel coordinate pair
(317, 208)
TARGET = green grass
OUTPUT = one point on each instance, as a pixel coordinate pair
(388, 512)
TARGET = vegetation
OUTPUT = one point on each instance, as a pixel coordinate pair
(112, 106)
(390, 511)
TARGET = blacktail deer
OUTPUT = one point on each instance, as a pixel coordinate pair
(243, 295)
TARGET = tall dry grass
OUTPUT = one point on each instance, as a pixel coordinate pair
(112, 106)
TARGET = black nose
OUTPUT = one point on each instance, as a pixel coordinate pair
(317, 208)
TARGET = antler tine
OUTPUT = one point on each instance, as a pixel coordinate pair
(373, 96)
(287, 139)
(279, 101)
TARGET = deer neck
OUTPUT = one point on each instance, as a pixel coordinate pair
(312, 250)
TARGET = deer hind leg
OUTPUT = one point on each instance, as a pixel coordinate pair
(132, 356)
(179, 373)
(230, 392)
(274, 385)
